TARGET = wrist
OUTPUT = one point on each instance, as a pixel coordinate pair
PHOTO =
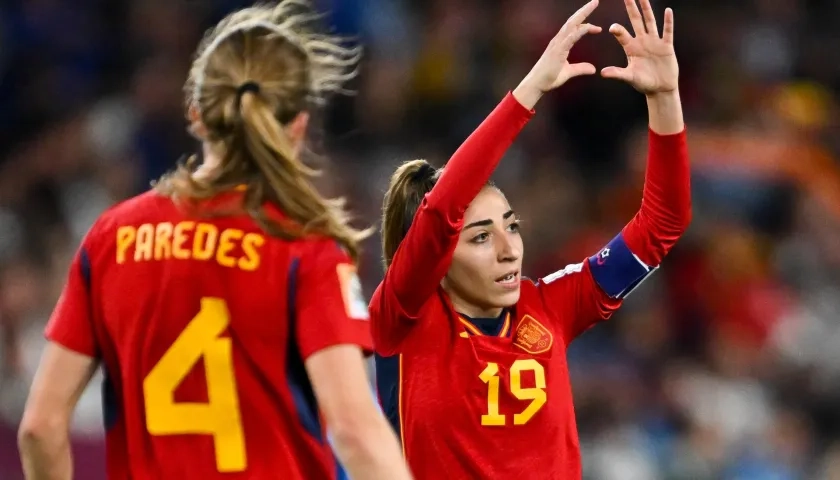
(670, 95)
(527, 95)
(665, 116)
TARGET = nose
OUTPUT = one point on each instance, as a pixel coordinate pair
(507, 250)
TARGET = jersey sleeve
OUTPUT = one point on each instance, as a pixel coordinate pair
(666, 199)
(575, 300)
(425, 253)
(71, 323)
(582, 294)
(330, 307)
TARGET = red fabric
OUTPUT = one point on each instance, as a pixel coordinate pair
(444, 382)
(666, 200)
(71, 323)
(137, 307)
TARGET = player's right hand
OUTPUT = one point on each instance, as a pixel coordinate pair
(553, 68)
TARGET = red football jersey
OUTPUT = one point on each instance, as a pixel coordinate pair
(203, 325)
(506, 398)
(472, 402)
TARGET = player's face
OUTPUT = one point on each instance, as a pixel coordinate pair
(485, 272)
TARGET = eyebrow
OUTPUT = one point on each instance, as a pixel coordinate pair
(488, 222)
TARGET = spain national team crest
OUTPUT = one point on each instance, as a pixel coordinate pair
(532, 336)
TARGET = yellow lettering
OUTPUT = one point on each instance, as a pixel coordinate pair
(202, 341)
(250, 243)
(145, 242)
(226, 245)
(204, 241)
(180, 238)
(163, 241)
(125, 238)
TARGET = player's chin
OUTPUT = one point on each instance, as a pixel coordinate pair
(506, 297)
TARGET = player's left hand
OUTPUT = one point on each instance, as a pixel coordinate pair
(651, 62)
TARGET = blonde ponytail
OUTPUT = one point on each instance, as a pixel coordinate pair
(254, 73)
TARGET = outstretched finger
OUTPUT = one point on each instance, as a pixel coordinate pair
(621, 34)
(635, 17)
(668, 27)
(573, 37)
(582, 14)
(649, 17)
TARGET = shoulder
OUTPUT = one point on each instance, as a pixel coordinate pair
(132, 210)
(322, 248)
(569, 270)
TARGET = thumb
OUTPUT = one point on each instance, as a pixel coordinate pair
(578, 69)
(617, 73)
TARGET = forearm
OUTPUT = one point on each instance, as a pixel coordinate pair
(371, 452)
(527, 95)
(45, 455)
(472, 165)
(666, 203)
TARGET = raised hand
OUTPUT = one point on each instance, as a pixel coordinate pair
(651, 62)
(553, 68)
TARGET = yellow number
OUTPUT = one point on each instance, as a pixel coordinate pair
(535, 394)
(218, 417)
(491, 378)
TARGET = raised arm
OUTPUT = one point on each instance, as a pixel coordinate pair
(592, 290)
(424, 254)
(653, 70)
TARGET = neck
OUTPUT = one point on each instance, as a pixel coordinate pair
(474, 311)
(210, 164)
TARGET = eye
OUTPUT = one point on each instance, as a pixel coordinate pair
(480, 238)
(513, 227)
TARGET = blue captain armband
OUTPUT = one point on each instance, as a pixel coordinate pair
(617, 270)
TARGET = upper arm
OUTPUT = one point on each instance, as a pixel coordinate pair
(328, 303)
(339, 380)
(60, 380)
(71, 323)
(582, 294)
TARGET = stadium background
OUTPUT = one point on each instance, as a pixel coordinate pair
(724, 365)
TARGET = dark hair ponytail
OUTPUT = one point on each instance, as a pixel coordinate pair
(409, 185)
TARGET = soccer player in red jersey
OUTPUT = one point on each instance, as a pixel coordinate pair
(471, 362)
(224, 304)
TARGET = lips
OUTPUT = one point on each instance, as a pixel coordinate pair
(509, 278)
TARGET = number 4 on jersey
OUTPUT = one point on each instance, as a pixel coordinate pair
(218, 417)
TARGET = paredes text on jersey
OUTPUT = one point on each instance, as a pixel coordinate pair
(189, 240)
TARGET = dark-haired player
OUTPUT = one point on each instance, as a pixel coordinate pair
(472, 360)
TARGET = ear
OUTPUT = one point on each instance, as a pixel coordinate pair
(296, 129)
(196, 127)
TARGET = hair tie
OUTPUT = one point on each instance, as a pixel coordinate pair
(249, 86)
(423, 173)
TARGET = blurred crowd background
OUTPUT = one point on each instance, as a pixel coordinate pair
(724, 365)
